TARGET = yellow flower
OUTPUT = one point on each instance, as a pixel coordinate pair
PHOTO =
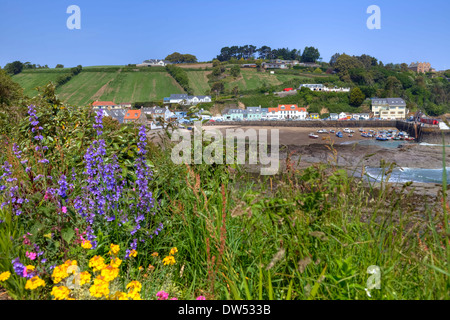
(110, 273)
(119, 296)
(86, 244)
(116, 262)
(69, 263)
(60, 293)
(154, 254)
(30, 268)
(173, 251)
(59, 273)
(141, 268)
(100, 289)
(134, 286)
(85, 277)
(134, 295)
(133, 253)
(115, 248)
(34, 283)
(169, 260)
(5, 275)
(97, 263)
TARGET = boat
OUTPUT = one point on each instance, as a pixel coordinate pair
(361, 129)
(321, 131)
(409, 139)
(313, 136)
(350, 135)
(381, 138)
(332, 131)
(339, 134)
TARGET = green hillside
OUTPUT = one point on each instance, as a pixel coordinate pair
(131, 84)
(30, 80)
(199, 82)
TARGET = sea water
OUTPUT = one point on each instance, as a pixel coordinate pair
(390, 144)
(402, 175)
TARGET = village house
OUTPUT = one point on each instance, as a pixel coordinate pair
(255, 113)
(389, 108)
(233, 114)
(135, 116)
(104, 105)
(117, 114)
(288, 111)
(274, 65)
(342, 116)
(125, 105)
(157, 112)
(334, 116)
(314, 116)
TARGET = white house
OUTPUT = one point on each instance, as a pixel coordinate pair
(187, 100)
(154, 63)
(389, 108)
(334, 116)
(157, 112)
(287, 111)
(342, 115)
(322, 88)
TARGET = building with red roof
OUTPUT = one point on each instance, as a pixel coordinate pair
(287, 111)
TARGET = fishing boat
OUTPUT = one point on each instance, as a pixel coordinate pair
(313, 136)
(321, 131)
(361, 129)
(381, 138)
(339, 134)
(332, 131)
(350, 135)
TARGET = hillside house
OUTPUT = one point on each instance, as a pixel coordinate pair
(154, 63)
(184, 99)
(314, 116)
(255, 113)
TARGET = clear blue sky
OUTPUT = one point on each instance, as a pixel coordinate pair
(121, 32)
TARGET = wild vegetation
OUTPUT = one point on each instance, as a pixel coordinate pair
(91, 209)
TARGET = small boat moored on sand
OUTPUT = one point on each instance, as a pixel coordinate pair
(313, 136)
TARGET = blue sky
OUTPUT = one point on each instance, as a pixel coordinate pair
(122, 32)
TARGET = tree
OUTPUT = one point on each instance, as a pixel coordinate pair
(343, 65)
(59, 66)
(310, 54)
(218, 87)
(393, 87)
(189, 58)
(356, 97)
(175, 57)
(14, 67)
(215, 63)
(235, 71)
(333, 59)
(10, 91)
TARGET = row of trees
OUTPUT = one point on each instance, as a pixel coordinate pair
(65, 78)
(181, 76)
(310, 54)
(177, 57)
(17, 67)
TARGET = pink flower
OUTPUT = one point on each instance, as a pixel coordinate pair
(64, 209)
(31, 255)
(162, 295)
(173, 298)
(46, 196)
(200, 298)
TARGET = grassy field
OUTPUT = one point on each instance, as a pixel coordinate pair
(29, 81)
(198, 81)
(135, 86)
